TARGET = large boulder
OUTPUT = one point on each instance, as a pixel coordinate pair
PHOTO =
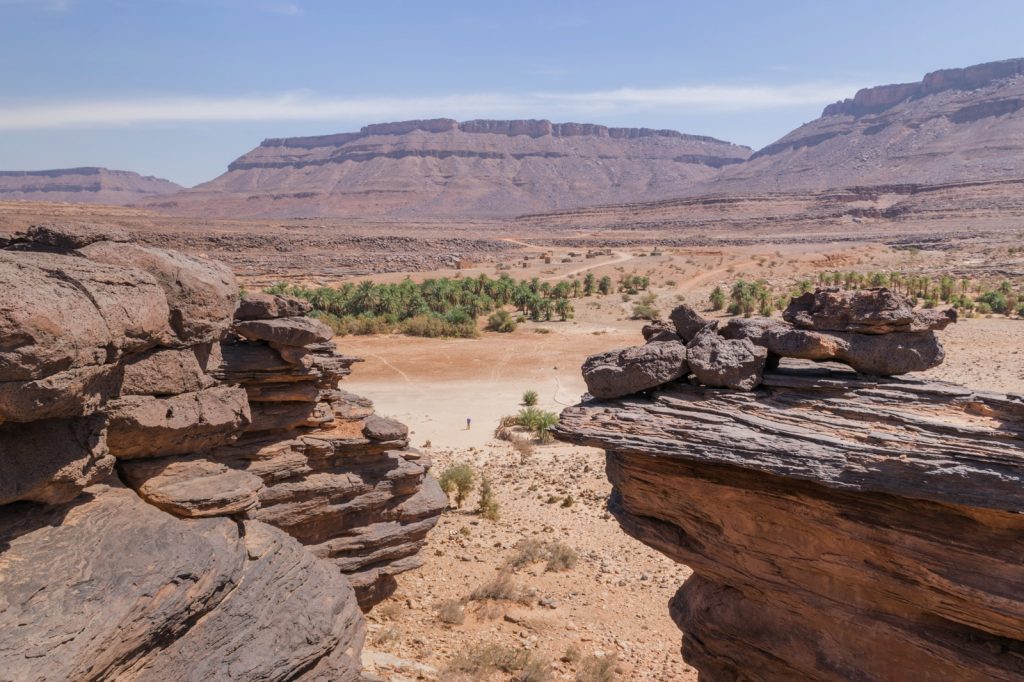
(263, 306)
(52, 460)
(193, 486)
(114, 588)
(60, 312)
(164, 371)
(147, 426)
(863, 311)
(726, 363)
(70, 236)
(630, 370)
(875, 354)
(289, 331)
(202, 294)
(687, 321)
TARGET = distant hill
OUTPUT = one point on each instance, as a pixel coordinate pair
(955, 125)
(82, 185)
(442, 168)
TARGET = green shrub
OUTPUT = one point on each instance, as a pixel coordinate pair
(644, 308)
(996, 301)
(717, 298)
(537, 421)
(458, 479)
(530, 398)
(488, 505)
(501, 321)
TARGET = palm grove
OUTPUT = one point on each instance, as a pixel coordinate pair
(448, 306)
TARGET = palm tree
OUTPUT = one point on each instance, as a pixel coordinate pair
(563, 308)
(589, 284)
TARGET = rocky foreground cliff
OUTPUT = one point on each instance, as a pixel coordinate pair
(184, 491)
(840, 525)
(441, 168)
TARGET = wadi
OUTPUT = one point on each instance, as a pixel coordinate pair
(527, 400)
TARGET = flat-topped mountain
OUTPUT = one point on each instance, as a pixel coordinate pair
(954, 125)
(89, 185)
(444, 168)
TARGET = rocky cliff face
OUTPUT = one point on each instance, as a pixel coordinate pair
(184, 491)
(839, 526)
(82, 186)
(955, 125)
(444, 168)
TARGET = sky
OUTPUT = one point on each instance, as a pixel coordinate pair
(180, 88)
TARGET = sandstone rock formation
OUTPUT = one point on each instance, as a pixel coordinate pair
(184, 495)
(839, 526)
(82, 185)
(443, 168)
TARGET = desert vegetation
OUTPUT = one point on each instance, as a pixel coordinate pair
(439, 307)
(970, 297)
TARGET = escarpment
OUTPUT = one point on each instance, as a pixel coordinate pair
(185, 493)
(839, 525)
(441, 168)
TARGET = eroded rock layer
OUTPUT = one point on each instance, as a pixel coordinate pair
(839, 527)
(184, 494)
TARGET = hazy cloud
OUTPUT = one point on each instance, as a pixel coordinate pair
(311, 107)
(51, 5)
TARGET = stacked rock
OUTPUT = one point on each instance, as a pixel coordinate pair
(331, 473)
(874, 331)
(165, 453)
(838, 526)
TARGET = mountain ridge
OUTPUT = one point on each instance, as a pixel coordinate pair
(83, 184)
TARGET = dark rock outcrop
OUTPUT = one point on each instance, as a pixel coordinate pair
(838, 526)
(631, 370)
(178, 501)
(728, 363)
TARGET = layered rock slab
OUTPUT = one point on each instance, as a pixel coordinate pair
(838, 527)
(113, 587)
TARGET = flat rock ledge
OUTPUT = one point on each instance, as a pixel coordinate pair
(839, 527)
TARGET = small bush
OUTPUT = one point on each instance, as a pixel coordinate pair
(479, 662)
(530, 398)
(561, 557)
(557, 555)
(502, 588)
(597, 669)
(488, 505)
(568, 501)
(644, 308)
(452, 612)
(501, 321)
(458, 479)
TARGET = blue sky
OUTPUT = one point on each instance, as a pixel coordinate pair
(179, 88)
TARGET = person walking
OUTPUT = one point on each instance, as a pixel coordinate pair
(469, 423)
